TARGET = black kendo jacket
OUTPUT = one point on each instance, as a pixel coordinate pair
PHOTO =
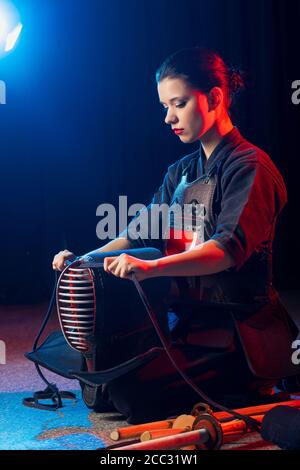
(242, 193)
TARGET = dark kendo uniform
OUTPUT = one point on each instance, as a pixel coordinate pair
(231, 333)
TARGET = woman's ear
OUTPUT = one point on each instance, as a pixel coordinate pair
(215, 98)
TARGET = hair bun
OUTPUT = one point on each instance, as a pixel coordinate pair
(236, 81)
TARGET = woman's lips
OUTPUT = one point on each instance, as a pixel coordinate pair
(178, 131)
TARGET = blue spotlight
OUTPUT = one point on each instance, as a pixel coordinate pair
(10, 27)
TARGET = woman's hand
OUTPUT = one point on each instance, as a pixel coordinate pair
(59, 260)
(125, 265)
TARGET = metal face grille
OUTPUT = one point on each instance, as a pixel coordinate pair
(76, 307)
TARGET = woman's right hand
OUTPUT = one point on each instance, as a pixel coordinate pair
(59, 260)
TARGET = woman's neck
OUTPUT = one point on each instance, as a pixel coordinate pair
(214, 135)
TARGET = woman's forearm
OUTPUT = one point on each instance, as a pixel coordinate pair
(207, 258)
(120, 243)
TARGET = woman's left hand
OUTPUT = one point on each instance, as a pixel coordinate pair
(125, 265)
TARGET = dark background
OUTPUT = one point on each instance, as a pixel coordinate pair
(82, 124)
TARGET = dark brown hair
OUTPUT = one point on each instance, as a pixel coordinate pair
(203, 69)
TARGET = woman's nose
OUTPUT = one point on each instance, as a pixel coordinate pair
(170, 117)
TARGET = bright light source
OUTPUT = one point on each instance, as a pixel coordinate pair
(12, 37)
(10, 26)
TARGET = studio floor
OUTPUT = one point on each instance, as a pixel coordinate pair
(73, 427)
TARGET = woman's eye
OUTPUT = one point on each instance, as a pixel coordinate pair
(181, 105)
(178, 105)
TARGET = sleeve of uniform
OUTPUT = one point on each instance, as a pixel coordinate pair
(252, 197)
(147, 221)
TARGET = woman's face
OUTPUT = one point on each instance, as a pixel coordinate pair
(187, 110)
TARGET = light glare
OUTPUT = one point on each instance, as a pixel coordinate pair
(12, 38)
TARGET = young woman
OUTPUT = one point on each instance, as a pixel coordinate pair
(229, 320)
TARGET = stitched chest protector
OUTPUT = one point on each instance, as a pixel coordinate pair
(192, 221)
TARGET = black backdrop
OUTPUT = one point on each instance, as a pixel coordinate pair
(82, 124)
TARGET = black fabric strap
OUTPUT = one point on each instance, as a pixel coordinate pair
(50, 393)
